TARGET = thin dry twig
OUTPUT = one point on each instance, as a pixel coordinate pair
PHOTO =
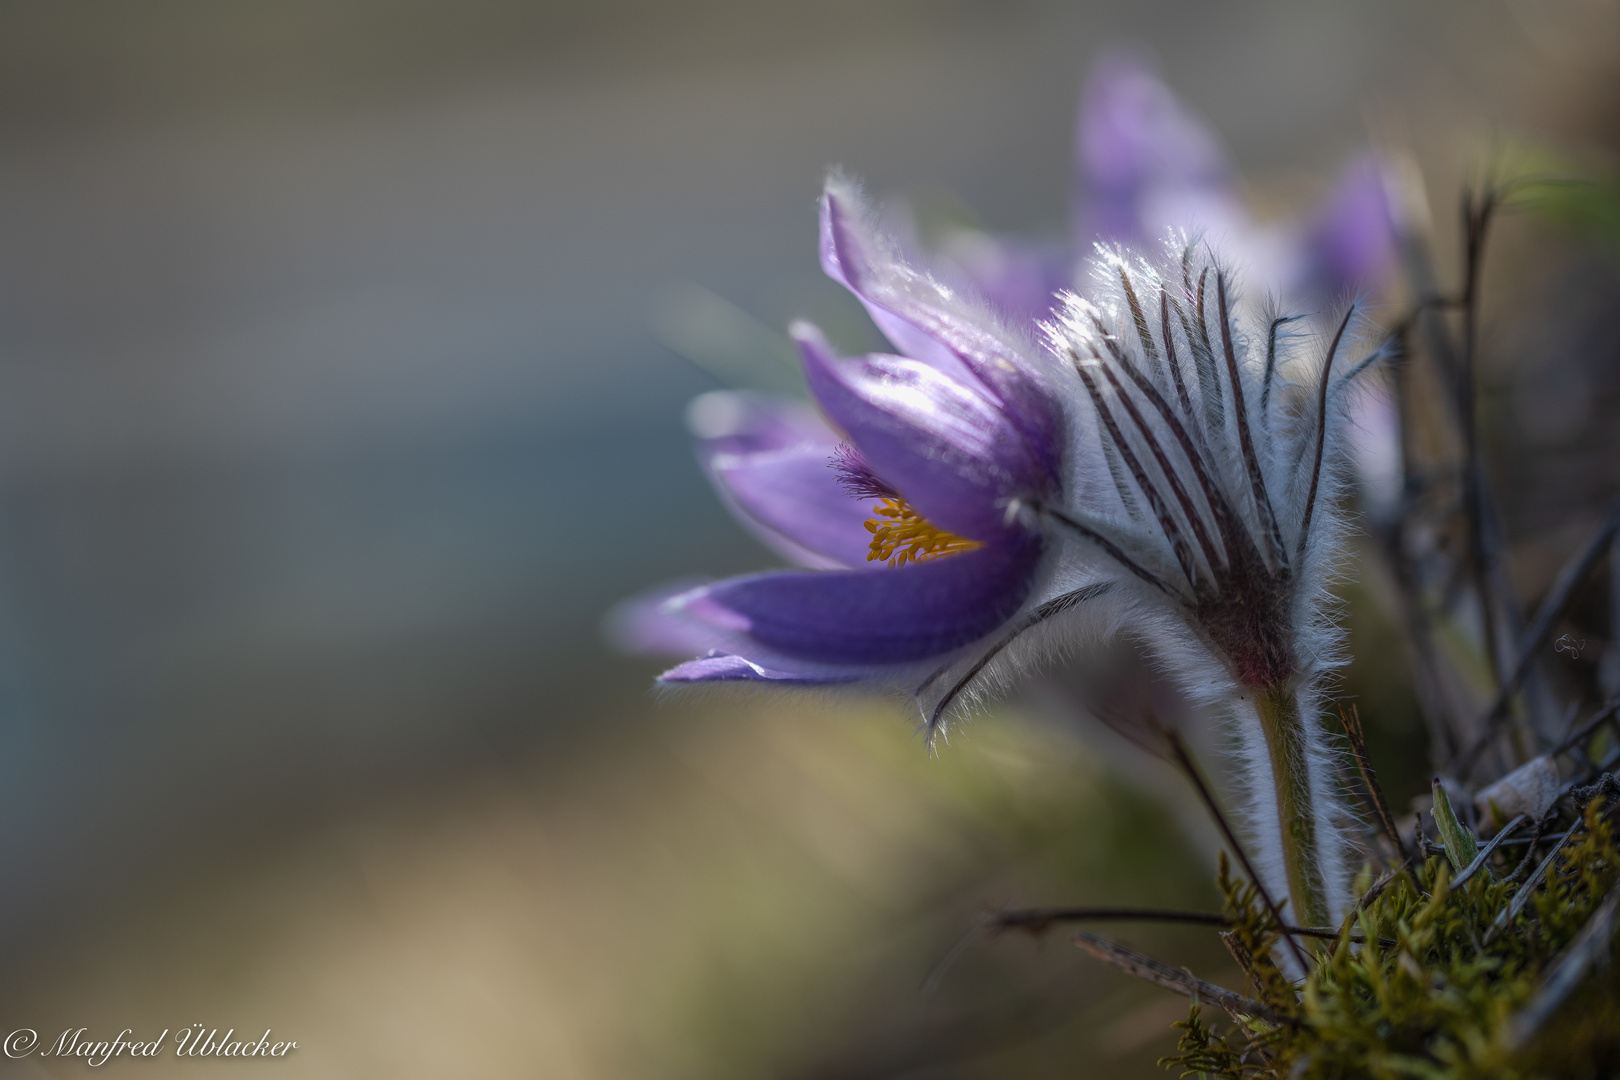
(1040, 920)
(1245, 959)
(1530, 849)
(1376, 888)
(1454, 356)
(1369, 777)
(1476, 496)
(1183, 760)
(1553, 606)
(1485, 852)
(1426, 320)
(1604, 715)
(1181, 982)
(1520, 898)
(1438, 713)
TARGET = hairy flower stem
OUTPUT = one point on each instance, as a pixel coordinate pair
(1283, 725)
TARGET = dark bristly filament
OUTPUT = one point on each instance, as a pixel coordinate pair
(1262, 501)
(1170, 352)
(1142, 332)
(1167, 522)
(1209, 385)
(1194, 519)
(1321, 433)
(1050, 609)
(1111, 549)
(1201, 469)
(1271, 366)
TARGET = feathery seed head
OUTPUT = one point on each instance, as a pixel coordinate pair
(1217, 478)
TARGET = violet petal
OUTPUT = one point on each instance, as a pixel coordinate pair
(728, 667)
(1019, 278)
(944, 446)
(648, 624)
(794, 494)
(1350, 243)
(741, 422)
(763, 454)
(1142, 159)
(855, 259)
(875, 617)
(927, 322)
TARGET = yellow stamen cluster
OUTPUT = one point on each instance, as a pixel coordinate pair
(900, 535)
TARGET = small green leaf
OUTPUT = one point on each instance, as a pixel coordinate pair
(1461, 846)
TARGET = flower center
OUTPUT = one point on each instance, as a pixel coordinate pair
(900, 535)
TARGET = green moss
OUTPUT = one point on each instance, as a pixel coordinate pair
(1205, 1052)
(1436, 1002)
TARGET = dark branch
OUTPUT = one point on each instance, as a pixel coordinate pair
(1483, 526)
(1553, 606)
(1575, 739)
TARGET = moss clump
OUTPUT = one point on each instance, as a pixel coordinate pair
(1430, 992)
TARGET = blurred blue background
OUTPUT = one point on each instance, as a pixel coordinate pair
(331, 412)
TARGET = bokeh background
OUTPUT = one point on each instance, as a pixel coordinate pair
(338, 402)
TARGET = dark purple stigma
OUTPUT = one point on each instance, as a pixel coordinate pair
(856, 477)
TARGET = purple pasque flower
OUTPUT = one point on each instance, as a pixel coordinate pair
(904, 504)
(1147, 167)
(1155, 453)
(1144, 163)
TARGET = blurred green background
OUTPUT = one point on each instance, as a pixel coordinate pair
(333, 416)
